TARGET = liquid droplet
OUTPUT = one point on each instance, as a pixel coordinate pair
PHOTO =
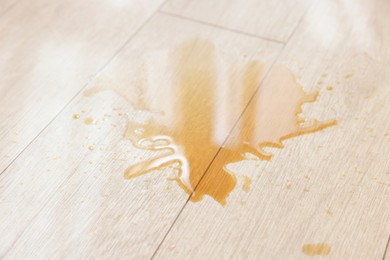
(247, 184)
(89, 121)
(316, 249)
(347, 76)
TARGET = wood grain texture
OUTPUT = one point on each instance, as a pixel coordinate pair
(386, 255)
(6, 5)
(65, 196)
(250, 16)
(48, 51)
(330, 187)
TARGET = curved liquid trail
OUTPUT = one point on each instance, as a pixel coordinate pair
(202, 106)
(175, 156)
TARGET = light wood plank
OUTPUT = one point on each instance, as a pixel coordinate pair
(48, 51)
(331, 187)
(63, 198)
(274, 20)
(386, 255)
(6, 5)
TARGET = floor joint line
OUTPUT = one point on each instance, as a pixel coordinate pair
(217, 153)
(387, 246)
(98, 71)
(221, 27)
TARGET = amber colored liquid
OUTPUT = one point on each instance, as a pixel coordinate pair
(270, 118)
(206, 107)
(316, 249)
(247, 184)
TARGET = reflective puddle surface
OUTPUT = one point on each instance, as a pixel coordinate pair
(213, 112)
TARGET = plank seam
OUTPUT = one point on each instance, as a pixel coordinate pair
(299, 23)
(387, 247)
(240, 116)
(217, 153)
(98, 71)
(220, 27)
(65, 106)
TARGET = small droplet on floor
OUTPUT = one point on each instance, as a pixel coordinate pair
(247, 184)
(316, 249)
(288, 185)
(89, 121)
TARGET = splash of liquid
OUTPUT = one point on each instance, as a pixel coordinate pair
(271, 118)
(201, 125)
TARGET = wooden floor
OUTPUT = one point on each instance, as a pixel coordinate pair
(79, 78)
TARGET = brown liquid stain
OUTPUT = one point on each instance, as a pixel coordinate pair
(316, 249)
(89, 121)
(247, 184)
(192, 125)
(329, 212)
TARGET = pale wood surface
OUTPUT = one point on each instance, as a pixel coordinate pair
(81, 197)
(345, 169)
(48, 51)
(6, 5)
(250, 16)
(62, 198)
